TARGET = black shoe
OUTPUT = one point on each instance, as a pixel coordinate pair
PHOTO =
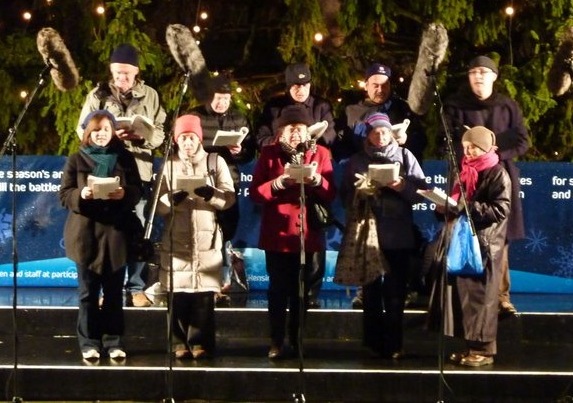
(275, 352)
(313, 304)
(357, 303)
(222, 300)
(506, 309)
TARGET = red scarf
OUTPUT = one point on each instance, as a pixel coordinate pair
(470, 170)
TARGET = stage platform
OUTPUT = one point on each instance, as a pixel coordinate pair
(534, 364)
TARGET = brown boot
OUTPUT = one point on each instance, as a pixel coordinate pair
(138, 300)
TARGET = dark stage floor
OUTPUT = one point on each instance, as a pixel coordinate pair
(534, 363)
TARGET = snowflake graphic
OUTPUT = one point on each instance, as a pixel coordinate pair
(431, 231)
(5, 226)
(536, 241)
(564, 262)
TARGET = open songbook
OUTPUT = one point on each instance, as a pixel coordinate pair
(189, 183)
(399, 131)
(299, 172)
(101, 187)
(384, 173)
(229, 137)
(437, 196)
(137, 124)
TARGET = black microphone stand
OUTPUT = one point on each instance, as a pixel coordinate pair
(149, 225)
(299, 397)
(10, 144)
(453, 176)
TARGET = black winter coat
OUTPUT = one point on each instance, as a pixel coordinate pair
(503, 116)
(471, 304)
(95, 229)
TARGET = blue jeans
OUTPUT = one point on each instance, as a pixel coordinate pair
(135, 270)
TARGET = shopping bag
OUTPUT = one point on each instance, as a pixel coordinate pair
(360, 259)
(463, 257)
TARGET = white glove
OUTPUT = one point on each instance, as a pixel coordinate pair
(364, 186)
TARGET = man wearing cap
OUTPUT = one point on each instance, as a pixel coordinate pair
(220, 114)
(352, 129)
(126, 95)
(379, 98)
(280, 194)
(478, 103)
(298, 83)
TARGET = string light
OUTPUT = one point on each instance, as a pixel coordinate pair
(100, 9)
(509, 11)
(27, 16)
(196, 29)
(318, 37)
(239, 90)
(204, 15)
(23, 94)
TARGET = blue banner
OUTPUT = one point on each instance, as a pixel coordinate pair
(539, 263)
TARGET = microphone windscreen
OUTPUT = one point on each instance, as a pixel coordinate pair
(189, 57)
(432, 51)
(56, 55)
(559, 76)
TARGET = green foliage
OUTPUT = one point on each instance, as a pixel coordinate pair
(369, 30)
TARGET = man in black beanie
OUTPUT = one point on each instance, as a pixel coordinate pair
(478, 103)
(126, 95)
(220, 114)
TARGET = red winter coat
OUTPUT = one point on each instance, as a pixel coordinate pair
(279, 230)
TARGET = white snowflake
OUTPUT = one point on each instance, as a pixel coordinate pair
(5, 226)
(564, 261)
(536, 241)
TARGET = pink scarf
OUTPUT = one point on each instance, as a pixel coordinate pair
(470, 170)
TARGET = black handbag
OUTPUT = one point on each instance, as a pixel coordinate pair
(320, 216)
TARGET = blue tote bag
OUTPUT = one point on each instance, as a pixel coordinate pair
(464, 254)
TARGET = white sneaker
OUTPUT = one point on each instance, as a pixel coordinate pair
(117, 353)
(91, 354)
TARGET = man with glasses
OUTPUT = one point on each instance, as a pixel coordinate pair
(480, 104)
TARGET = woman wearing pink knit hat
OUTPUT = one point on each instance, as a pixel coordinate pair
(191, 191)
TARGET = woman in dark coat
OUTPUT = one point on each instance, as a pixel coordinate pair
(470, 308)
(94, 233)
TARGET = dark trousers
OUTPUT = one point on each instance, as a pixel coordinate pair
(317, 274)
(383, 303)
(283, 270)
(100, 328)
(193, 320)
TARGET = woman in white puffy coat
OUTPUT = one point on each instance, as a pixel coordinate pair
(192, 239)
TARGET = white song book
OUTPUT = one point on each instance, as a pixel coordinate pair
(101, 187)
(299, 172)
(384, 173)
(189, 183)
(437, 196)
(137, 124)
(229, 137)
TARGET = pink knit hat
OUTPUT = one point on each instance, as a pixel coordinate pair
(186, 124)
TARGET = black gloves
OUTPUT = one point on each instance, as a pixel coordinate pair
(206, 192)
(178, 196)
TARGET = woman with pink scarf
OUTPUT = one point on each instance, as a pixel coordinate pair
(470, 308)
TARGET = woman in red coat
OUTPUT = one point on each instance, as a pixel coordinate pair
(280, 231)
